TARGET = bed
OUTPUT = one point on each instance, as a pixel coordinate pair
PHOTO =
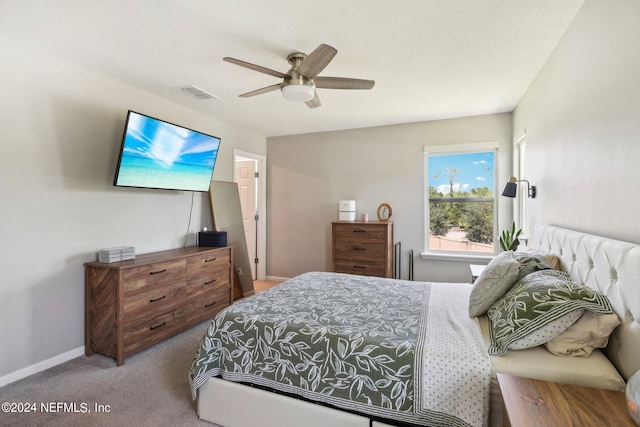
(398, 360)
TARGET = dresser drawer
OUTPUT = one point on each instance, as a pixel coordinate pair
(365, 268)
(157, 300)
(360, 250)
(201, 264)
(208, 283)
(206, 305)
(140, 279)
(370, 232)
(149, 331)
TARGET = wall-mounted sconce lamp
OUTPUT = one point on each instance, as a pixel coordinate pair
(511, 187)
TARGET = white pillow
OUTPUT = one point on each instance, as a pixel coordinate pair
(591, 331)
(496, 279)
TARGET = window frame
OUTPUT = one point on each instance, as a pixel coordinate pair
(459, 149)
(519, 205)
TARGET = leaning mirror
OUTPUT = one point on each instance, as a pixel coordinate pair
(227, 216)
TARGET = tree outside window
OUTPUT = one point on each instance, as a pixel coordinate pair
(460, 189)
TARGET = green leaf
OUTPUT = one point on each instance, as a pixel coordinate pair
(509, 238)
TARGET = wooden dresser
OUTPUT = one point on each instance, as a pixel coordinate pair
(131, 305)
(364, 248)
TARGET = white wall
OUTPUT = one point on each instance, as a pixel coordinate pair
(60, 133)
(582, 117)
(309, 174)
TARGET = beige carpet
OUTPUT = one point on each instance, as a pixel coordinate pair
(150, 389)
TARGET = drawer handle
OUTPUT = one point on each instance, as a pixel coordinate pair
(158, 299)
(210, 259)
(359, 230)
(209, 305)
(158, 272)
(210, 282)
(363, 267)
(359, 249)
(157, 326)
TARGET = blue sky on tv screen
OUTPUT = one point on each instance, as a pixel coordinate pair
(472, 170)
(167, 144)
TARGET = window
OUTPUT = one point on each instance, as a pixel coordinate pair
(460, 208)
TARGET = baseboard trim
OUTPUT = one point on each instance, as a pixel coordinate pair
(41, 366)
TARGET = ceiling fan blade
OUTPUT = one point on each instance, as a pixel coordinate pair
(261, 91)
(316, 61)
(315, 102)
(255, 67)
(342, 83)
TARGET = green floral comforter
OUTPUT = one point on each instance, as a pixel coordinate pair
(399, 350)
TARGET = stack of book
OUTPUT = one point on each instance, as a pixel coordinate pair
(120, 253)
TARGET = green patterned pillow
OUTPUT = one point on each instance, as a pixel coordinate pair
(539, 307)
(496, 278)
(530, 262)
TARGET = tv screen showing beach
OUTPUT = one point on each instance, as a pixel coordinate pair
(158, 154)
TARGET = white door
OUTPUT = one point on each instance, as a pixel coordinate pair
(246, 179)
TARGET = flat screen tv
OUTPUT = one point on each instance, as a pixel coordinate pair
(159, 154)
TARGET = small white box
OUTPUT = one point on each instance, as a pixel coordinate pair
(347, 216)
(347, 206)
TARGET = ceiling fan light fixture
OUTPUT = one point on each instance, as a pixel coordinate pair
(298, 92)
(299, 84)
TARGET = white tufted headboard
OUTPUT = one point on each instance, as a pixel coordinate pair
(613, 268)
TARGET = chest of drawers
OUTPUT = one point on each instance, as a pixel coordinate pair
(364, 248)
(131, 305)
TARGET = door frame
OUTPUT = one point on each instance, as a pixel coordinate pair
(261, 250)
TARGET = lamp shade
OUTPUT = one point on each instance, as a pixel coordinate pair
(298, 92)
(510, 189)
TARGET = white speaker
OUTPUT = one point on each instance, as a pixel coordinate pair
(347, 210)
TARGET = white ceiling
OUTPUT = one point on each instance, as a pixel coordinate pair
(430, 59)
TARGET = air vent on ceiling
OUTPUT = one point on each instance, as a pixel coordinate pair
(197, 92)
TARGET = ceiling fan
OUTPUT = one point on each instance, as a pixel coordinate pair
(301, 81)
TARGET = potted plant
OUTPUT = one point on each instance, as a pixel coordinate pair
(509, 238)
